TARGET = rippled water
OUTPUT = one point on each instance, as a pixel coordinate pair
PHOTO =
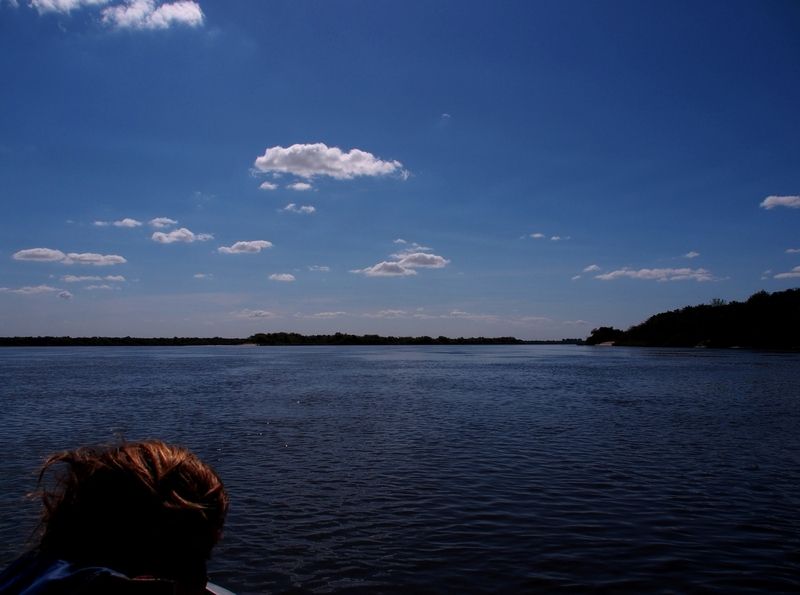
(446, 469)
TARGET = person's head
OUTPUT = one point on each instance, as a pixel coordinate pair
(140, 508)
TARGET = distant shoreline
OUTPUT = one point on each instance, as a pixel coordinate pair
(269, 339)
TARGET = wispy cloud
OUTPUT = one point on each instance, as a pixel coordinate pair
(101, 223)
(300, 186)
(793, 274)
(203, 276)
(317, 159)
(64, 6)
(319, 268)
(793, 251)
(324, 315)
(91, 278)
(180, 235)
(282, 277)
(253, 314)
(103, 287)
(30, 290)
(246, 247)
(792, 202)
(146, 14)
(691, 254)
(302, 210)
(667, 274)
(388, 314)
(162, 222)
(385, 269)
(268, 186)
(538, 236)
(50, 255)
(591, 268)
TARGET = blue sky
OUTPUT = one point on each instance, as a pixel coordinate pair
(528, 168)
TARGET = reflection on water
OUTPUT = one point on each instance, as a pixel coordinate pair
(443, 469)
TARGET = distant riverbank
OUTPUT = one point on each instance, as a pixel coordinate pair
(268, 339)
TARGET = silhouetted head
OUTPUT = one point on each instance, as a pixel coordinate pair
(140, 508)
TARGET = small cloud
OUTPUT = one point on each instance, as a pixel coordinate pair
(79, 278)
(591, 268)
(327, 315)
(793, 274)
(385, 269)
(576, 322)
(282, 277)
(557, 238)
(319, 268)
(691, 254)
(793, 251)
(162, 222)
(101, 223)
(253, 314)
(388, 314)
(399, 241)
(144, 14)
(30, 290)
(268, 186)
(127, 222)
(299, 186)
(537, 236)
(65, 295)
(203, 276)
(247, 247)
(180, 235)
(423, 260)
(103, 287)
(683, 274)
(792, 202)
(61, 6)
(303, 210)
(317, 159)
(90, 258)
(40, 255)
(576, 277)
(115, 278)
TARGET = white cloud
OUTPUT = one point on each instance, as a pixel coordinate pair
(268, 186)
(300, 186)
(423, 260)
(65, 295)
(319, 268)
(386, 269)
(80, 278)
(115, 278)
(388, 314)
(180, 235)
(282, 277)
(591, 268)
(303, 210)
(127, 222)
(249, 247)
(794, 273)
(63, 6)
(103, 287)
(684, 274)
(326, 315)
(576, 277)
(399, 241)
(101, 223)
(90, 258)
(30, 290)
(145, 14)
(691, 254)
(576, 322)
(253, 314)
(162, 222)
(49, 255)
(203, 276)
(793, 251)
(40, 255)
(792, 202)
(317, 159)
(537, 236)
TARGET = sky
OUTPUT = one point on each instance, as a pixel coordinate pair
(526, 168)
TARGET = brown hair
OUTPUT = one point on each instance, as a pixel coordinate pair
(141, 508)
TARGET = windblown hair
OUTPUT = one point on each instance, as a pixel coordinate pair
(141, 508)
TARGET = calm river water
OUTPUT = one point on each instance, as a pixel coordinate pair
(447, 469)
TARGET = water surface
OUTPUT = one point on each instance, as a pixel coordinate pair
(443, 469)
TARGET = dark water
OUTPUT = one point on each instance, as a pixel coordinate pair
(439, 469)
